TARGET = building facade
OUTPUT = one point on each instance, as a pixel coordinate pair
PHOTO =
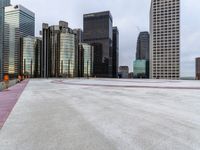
(45, 53)
(78, 56)
(30, 58)
(141, 64)
(67, 55)
(141, 69)
(198, 68)
(19, 22)
(165, 39)
(3, 4)
(97, 31)
(115, 52)
(142, 52)
(85, 60)
(123, 72)
(58, 51)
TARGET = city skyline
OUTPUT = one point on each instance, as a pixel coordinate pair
(127, 21)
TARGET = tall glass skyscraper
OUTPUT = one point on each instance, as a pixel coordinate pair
(165, 39)
(141, 64)
(67, 55)
(3, 4)
(115, 52)
(19, 22)
(30, 55)
(85, 60)
(79, 39)
(97, 31)
(142, 52)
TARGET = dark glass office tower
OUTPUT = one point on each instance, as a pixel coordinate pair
(97, 31)
(3, 4)
(141, 64)
(78, 55)
(115, 52)
(143, 46)
(45, 53)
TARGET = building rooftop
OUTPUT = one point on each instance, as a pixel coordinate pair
(104, 114)
(98, 14)
(19, 8)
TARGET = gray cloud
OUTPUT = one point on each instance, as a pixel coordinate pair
(127, 15)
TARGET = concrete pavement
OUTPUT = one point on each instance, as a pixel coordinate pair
(77, 115)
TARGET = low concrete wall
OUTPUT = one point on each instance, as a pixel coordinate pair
(11, 83)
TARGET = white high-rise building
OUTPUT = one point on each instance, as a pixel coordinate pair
(165, 39)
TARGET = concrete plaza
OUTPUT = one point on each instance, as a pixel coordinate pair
(104, 114)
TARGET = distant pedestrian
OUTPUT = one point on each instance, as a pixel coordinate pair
(19, 79)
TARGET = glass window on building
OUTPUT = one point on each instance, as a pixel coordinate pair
(67, 55)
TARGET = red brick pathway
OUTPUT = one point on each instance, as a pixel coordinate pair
(8, 99)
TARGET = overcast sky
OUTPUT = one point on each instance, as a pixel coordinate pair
(131, 16)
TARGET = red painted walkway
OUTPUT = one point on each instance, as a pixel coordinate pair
(8, 99)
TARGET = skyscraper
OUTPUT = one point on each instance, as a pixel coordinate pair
(165, 39)
(198, 68)
(19, 22)
(85, 66)
(115, 52)
(45, 53)
(141, 64)
(79, 39)
(30, 56)
(142, 52)
(3, 4)
(97, 31)
(58, 52)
